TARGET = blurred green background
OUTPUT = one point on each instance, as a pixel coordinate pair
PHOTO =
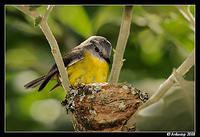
(160, 40)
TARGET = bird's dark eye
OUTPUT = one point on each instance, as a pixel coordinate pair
(96, 49)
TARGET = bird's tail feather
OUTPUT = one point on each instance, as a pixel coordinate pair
(46, 79)
(35, 82)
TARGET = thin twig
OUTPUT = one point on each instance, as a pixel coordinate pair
(121, 44)
(182, 70)
(188, 15)
(52, 42)
(192, 19)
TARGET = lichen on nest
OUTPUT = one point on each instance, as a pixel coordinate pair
(103, 107)
(80, 91)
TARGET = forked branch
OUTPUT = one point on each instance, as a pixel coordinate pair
(51, 39)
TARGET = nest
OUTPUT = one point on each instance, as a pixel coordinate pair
(103, 107)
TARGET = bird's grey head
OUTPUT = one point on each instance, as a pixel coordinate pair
(100, 47)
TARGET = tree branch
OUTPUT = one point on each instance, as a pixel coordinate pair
(121, 44)
(25, 9)
(52, 42)
(182, 70)
(49, 9)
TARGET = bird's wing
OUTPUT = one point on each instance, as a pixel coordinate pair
(73, 57)
(70, 58)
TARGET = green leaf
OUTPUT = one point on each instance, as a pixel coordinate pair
(76, 18)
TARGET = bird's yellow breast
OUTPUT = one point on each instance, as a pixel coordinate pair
(88, 70)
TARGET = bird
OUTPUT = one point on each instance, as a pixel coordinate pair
(86, 63)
